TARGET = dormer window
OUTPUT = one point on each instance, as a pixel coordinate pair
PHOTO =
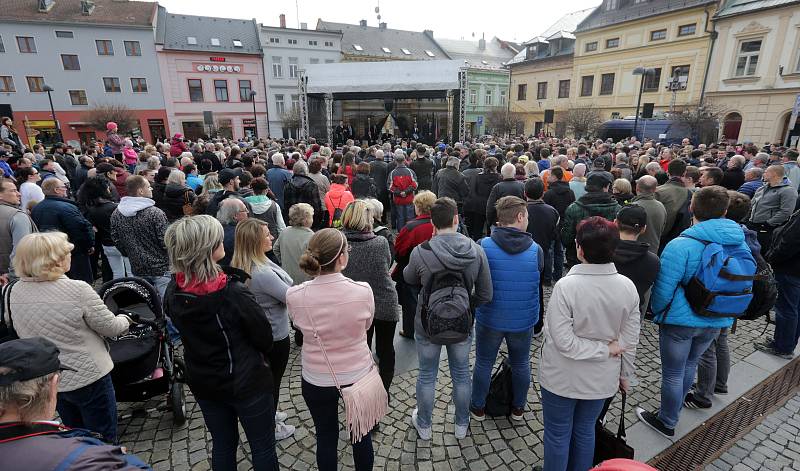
(429, 53)
(612, 4)
(406, 51)
(237, 43)
(215, 41)
(191, 40)
(357, 47)
(386, 50)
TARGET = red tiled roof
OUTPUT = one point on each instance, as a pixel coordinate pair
(107, 12)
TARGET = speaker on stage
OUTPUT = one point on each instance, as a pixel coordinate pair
(548, 116)
(647, 110)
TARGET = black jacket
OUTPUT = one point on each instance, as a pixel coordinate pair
(226, 338)
(302, 189)
(158, 194)
(175, 196)
(509, 187)
(216, 165)
(559, 196)
(733, 178)
(451, 183)
(479, 190)
(543, 222)
(635, 260)
(99, 215)
(60, 214)
(423, 167)
(784, 252)
(363, 187)
(379, 173)
(218, 197)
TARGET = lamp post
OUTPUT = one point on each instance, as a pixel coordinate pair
(48, 89)
(644, 72)
(255, 120)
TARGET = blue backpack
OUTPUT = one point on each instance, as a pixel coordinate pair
(723, 284)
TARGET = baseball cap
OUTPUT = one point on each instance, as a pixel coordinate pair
(228, 174)
(28, 359)
(633, 216)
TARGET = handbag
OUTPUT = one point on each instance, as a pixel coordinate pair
(365, 401)
(7, 332)
(188, 209)
(608, 445)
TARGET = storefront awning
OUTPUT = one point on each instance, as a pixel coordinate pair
(376, 77)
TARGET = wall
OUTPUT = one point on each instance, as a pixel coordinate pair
(551, 70)
(481, 81)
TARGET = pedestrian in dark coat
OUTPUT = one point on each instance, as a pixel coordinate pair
(302, 189)
(423, 167)
(480, 188)
(363, 185)
(509, 186)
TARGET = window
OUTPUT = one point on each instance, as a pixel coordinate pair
(104, 47)
(328, 43)
(274, 40)
(612, 43)
(293, 68)
(329, 61)
(26, 44)
(687, 30)
(237, 43)
(215, 41)
(2, 46)
(611, 4)
(244, 90)
(592, 46)
(747, 58)
(313, 61)
(522, 91)
(295, 102)
(652, 82)
(683, 73)
(35, 84)
(277, 67)
(502, 98)
(70, 62)
(279, 106)
(221, 90)
(406, 51)
(386, 50)
(658, 35)
(607, 84)
(587, 83)
(473, 97)
(312, 43)
(563, 88)
(132, 48)
(357, 47)
(541, 91)
(139, 85)
(111, 84)
(7, 83)
(291, 41)
(64, 34)
(78, 97)
(429, 53)
(488, 99)
(191, 40)
(195, 90)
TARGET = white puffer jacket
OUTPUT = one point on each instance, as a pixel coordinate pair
(70, 314)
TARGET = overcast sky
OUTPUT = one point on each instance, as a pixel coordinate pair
(513, 20)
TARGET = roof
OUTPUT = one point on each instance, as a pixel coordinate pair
(602, 17)
(561, 29)
(215, 35)
(493, 54)
(106, 12)
(389, 76)
(372, 41)
(738, 7)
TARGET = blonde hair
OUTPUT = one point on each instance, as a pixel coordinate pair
(41, 255)
(423, 202)
(301, 214)
(357, 216)
(247, 253)
(622, 185)
(177, 177)
(211, 183)
(324, 248)
(190, 242)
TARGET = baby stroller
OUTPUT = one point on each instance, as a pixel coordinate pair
(144, 358)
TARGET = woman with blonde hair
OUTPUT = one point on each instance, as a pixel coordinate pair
(210, 186)
(76, 321)
(176, 195)
(226, 338)
(268, 283)
(622, 191)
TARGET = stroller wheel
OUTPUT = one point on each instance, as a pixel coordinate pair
(177, 399)
(179, 370)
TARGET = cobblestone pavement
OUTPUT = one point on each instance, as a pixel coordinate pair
(773, 445)
(493, 444)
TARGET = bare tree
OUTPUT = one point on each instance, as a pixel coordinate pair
(502, 122)
(580, 121)
(291, 118)
(699, 122)
(102, 113)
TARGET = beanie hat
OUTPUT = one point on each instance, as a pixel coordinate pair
(111, 126)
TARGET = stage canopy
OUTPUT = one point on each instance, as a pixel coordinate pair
(345, 78)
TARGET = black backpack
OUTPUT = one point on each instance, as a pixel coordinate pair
(446, 313)
(765, 291)
(501, 394)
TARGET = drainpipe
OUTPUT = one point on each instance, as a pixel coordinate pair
(713, 34)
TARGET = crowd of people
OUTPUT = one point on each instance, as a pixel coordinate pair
(251, 242)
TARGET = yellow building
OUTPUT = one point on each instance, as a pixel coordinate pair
(755, 71)
(670, 36)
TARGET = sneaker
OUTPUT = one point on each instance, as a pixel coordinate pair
(693, 402)
(424, 433)
(281, 416)
(461, 431)
(720, 391)
(517, 414)
(477, 414)
(769, 348)
(283, 431)
(652, 421)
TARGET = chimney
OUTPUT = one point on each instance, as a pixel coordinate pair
(382, 25)
(303, 25)
(363, 23)
(482, 44)
(428, 33)
(46, 5)
(87, 7)
(283, 20)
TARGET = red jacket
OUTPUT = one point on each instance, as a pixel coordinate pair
(415, 232)
(402, 183)
(338, 197)
(177, 148)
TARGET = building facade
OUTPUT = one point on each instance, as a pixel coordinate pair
(210, 68)
(286, 52)
(754, 78)
(90, 55)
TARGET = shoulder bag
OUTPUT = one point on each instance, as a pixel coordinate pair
(608, 445)
(188, 208)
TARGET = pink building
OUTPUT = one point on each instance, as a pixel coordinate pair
(210, 70)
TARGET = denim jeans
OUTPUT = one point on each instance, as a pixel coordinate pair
(553, 262)
(569, 431)
(92, 407)
(487, 344)
(119, 264)
(714, 367)
(257, 416)
(323, 404)
(402, 214)
(680, 348)
(458, 360)
(787, 313)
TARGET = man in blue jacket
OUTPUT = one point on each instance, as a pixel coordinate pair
(683, 334)
(515, 263)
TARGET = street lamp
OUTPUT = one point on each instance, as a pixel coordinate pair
(48, 89)
(644, 72)
(255, 120)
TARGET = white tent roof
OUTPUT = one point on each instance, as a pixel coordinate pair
(393, 76)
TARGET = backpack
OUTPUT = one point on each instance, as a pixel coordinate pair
(501, 394)
(723, 284)
(446, 313)
(765, 291)
(337, 214)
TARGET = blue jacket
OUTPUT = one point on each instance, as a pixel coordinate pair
(515, 263)
(679, 263)
(60, 214)
(749, 188)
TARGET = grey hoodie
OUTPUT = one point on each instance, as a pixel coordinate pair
(455, 252)
(772, 205)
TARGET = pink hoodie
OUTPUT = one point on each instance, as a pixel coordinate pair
(131, 158)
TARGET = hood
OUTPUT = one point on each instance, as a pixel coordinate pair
(560, 187)
(751, 238)
(174, 190)
(244, 192)
(356, 236)
(337, 189)
(455, 251)
(259, 203)
(512, 240)
(721, 231)
(629, 251)
(597, 198)
(130, 205)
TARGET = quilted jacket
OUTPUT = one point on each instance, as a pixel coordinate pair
(679, 263)
(71, 315)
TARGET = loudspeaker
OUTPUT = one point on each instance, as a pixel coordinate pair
(208, 118)
(5, 110)
(647, 110)
(548, 116)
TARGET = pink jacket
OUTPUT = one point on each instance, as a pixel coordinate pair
(342, 311)
(131, 157)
